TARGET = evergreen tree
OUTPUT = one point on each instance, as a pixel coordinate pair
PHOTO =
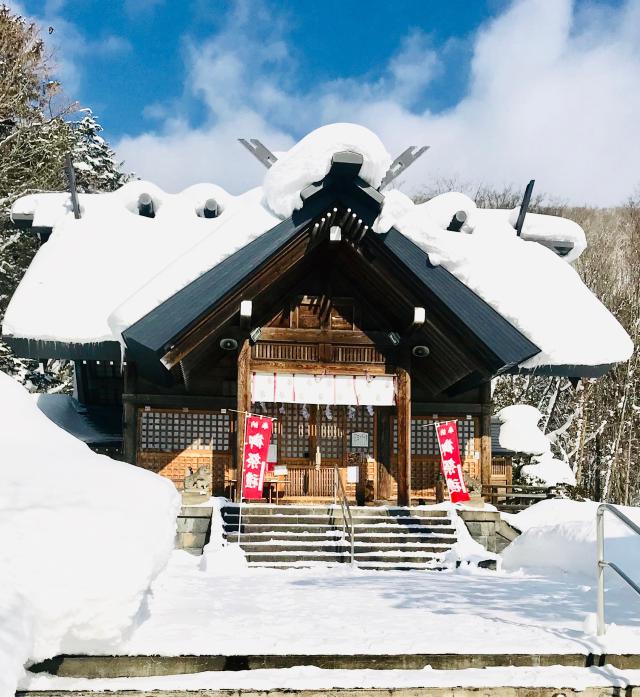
(34, 140)
(93, 160)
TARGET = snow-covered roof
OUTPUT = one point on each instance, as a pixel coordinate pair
(98, 275)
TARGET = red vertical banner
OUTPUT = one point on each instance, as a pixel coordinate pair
(257, 436)
(450, 461)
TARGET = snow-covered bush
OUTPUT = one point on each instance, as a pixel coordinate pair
(82, 537)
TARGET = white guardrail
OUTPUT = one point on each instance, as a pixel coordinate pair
(602, 563)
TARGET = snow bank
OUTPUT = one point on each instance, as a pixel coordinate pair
(528, 284)
(309, 160)
(560, 535)
(82, 538)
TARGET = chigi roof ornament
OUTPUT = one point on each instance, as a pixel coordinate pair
(259, 151)
(404, 160)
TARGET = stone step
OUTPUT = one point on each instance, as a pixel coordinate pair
(337, 556)
(335, 514)
(255, 528)
(264, 547)
(356, 511)
(398, 539)
(370, 566)
(407, 521)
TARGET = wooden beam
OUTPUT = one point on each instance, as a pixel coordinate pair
(326, 336)
(485, 434)
(320, 368)
(403, 409)
(262, 278)
(243, 405)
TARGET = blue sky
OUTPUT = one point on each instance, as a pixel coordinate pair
(503, 90)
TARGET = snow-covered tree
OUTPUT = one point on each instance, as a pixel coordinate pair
(94, 162)
(35, 136)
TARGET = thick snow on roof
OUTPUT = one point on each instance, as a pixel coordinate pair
(528, 284)
(73, 576)
(309, 160)
(92, 265)
(98, 275)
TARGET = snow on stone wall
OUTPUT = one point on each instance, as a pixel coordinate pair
(82, 537)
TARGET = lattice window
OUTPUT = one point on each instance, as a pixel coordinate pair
(360, 421)
(425, 442)
(295, 432)
(331, 433)
(269, 350)
(358, 354)
(183, 430)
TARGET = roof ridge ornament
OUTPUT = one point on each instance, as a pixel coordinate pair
(404, 160)
(259, 151)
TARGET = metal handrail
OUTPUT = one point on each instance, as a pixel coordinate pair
(347, 518)
(602, 563)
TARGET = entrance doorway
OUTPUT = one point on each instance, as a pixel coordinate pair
(310, 441)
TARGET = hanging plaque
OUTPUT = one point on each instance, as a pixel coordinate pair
(359, 439)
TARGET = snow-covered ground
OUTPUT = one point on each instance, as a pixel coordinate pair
(344, 611)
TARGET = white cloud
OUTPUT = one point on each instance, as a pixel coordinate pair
(554, 94)
(68, 46)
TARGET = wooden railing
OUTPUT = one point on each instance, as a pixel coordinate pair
(512, 498)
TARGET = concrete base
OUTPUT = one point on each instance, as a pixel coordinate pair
(631, 691)
(146, 666)
(488, 529)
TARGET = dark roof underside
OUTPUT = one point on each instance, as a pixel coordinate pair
(37, 349)
(496, 448)
(95, 426)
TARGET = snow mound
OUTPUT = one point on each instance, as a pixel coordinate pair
(549, 471)
(309, 160)
(519, 430)
(560, 535)
(526, 283)
(82, 537)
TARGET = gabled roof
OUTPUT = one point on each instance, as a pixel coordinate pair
(150, 340)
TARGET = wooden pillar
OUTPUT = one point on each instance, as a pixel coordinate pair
(243, 405)
(383, 454)
(486, 410)
(404, 436)
(129, 414)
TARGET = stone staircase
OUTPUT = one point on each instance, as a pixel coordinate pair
(289, 536)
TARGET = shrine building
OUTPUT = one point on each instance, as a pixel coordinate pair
(324, 298)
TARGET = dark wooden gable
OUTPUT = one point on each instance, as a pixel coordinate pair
(468, 340)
